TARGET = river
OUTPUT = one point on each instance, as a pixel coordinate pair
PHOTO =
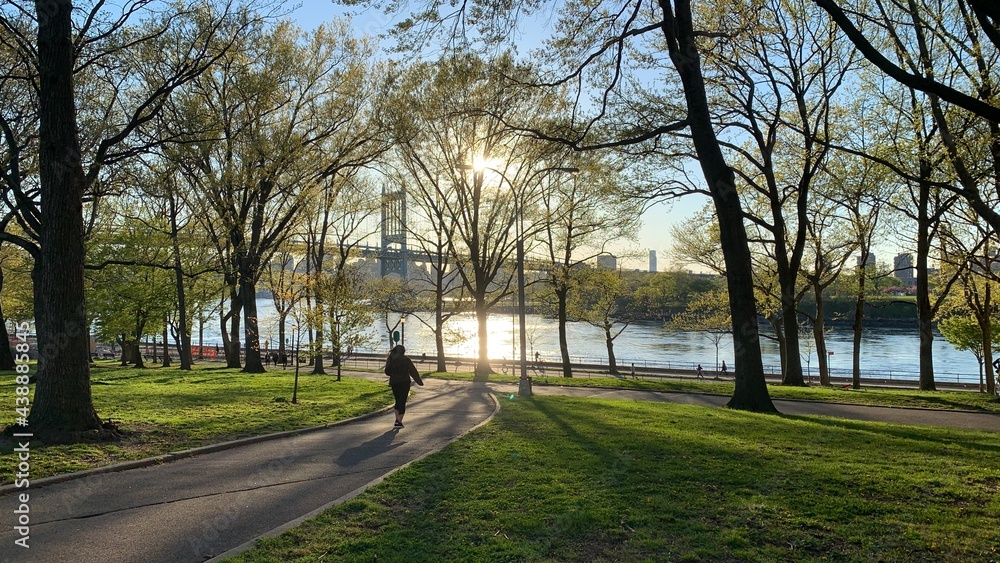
(885, 352)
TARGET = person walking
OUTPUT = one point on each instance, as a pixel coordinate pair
(724, 370)
(400, 370)
(700, 376)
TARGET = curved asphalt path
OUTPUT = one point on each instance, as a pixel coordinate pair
(202, 506)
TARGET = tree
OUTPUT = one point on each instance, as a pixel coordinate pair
(455, 129)
(129, 301)
(579, 219)
(439, 287)
(707, 313)
(964, 333)
(598, 301)
(776, 69)
(158, 190)
(15, 296)
(861, 189)
(664, 294)
(969, 249)
(829, 248)
(349, 311)
(287, 286)
(53, 215)
(946, 56)
(598, 38)
(282, 109)
(982, 21)
(339, 224)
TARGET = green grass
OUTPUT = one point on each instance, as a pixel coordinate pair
(876, 396)
(561, 479)
(165, 409)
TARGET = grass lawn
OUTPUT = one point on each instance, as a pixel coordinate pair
(166, 409)
(958, 400)
(561, 479)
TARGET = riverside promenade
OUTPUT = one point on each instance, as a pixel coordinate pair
(212, 503)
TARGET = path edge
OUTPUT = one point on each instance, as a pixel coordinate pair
(274, 532)
(182, 454)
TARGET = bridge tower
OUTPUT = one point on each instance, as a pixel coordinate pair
(393, 255)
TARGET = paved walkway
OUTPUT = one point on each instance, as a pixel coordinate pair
(199, 507)
(211, 505)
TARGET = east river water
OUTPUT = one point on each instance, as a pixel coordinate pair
(885, 352)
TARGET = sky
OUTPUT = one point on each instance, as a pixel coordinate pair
(655, 231)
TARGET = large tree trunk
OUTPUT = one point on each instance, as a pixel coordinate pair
(925, 313)
(252, 334)
(442, 365)
(166, 344)
(318, 358)
(231, 334)
(483, 369)
(819, 334)
(136, 354)
(751, 389)
(987, 329)
(791, 366)
(779, 336)
(859, 319)
(567, 368)
(62, 402)
(126, 350)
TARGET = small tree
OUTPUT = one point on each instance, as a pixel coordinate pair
(349, 310)
(707, 313)
(598, 301)
(962, 331)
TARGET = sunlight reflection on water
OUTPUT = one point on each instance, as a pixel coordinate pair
(886, 350)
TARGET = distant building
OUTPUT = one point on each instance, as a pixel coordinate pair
(902, 267)
(607, 262)
(652, 261)
(870, 263)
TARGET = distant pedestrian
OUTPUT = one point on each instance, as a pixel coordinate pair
(400, 370)
(633, 371)
(700, 376)
(724, 370)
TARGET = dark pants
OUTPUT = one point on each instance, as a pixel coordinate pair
(400, 391)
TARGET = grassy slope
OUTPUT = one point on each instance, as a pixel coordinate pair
(565, 479)
(165, 409)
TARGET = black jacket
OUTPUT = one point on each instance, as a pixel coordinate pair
(400, 369)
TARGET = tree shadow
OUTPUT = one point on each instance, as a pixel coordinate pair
(932, 436)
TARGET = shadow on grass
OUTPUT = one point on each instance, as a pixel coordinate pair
(954, 405)
(930, 438)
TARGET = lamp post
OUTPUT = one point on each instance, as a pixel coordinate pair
(523, 382)
(402, 330)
